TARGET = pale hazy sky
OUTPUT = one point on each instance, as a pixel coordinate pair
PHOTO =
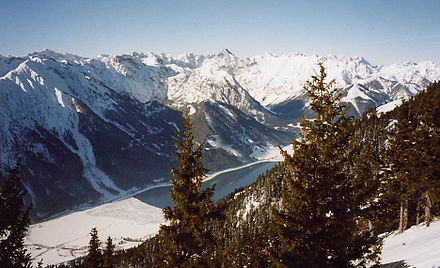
(383, 31)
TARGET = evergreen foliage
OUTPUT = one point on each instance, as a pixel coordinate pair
(94, 258)
(365, 147)
(412, 157)
(399, 167)
(248, 236)
(108, 254)
(317, 222)
(186, 240)
(14, 222)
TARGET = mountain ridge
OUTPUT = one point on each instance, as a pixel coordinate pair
(93, 128)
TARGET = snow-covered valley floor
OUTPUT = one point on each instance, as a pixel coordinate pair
(128, 222)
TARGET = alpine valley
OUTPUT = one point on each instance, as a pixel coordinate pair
(90, 130)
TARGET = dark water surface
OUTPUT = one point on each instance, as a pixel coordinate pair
(225, 183)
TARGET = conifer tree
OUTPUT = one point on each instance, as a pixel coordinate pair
(40, 264)
(412, 157)
(186, 240)
(426, 161)
(317, 221)
(109, 261)
(399, 163)
(14, 222)
(94, 258)
(426, 141)
(366, 167)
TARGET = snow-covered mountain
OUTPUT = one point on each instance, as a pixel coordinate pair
(268, 81)
(274, 81)
(90, 130)
(93, 129)
(79, 135)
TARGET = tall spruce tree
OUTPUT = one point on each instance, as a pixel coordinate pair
(109, 258)
(94, 258)
(317, 221)
(14, 222)
(186, 240)
(366, 167)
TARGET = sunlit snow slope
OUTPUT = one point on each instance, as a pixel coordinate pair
(418, 246)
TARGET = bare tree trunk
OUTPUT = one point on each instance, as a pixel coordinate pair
(403, 217)
(418, 216)
(428, 206)
(405, 214)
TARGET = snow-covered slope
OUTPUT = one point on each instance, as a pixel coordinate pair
(266, 80)
(211, 81)
(418, 246)
(128, 222)
(80, 135)
(274, 79)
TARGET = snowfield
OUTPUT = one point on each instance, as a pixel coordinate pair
(128, 222)
(388, 106)
(418, 246)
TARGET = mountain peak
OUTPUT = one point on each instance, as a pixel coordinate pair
(226, 52)
(409, 63)
(53, 55)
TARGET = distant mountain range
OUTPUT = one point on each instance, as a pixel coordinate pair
(89, 130)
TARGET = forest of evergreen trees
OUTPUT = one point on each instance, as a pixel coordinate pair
(346, 182)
